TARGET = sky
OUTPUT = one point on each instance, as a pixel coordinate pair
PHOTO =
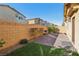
(51, 12)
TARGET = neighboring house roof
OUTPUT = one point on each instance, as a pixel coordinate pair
(35, 19)
(14, 10)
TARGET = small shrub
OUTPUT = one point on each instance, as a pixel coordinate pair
(53, 29)
(2, 42)
(23, 41)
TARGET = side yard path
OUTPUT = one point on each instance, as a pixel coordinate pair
(63, 41)
(48, 40)
(58, 41)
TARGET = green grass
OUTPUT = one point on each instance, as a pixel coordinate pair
(35, 49)
(31, 49)
(75, 54)
(57, 52)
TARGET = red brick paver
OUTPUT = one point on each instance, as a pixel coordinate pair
(48, 40)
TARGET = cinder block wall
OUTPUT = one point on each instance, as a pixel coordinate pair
(12, 33)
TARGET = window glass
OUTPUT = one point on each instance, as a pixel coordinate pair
(19, 17)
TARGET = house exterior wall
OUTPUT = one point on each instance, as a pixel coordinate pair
(31, 22)
(77, 31)
(72, 28)
(37, 21)
(68, 27)
(9, 15)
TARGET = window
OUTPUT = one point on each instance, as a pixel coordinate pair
(19, 17)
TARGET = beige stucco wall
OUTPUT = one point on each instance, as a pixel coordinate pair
(77, 31)
(76, 20)
(68, 27)
(31, 22)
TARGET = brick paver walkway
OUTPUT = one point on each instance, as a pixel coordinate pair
(48, 40)
(60, 41)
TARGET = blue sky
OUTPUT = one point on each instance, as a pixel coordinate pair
(51, 12)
